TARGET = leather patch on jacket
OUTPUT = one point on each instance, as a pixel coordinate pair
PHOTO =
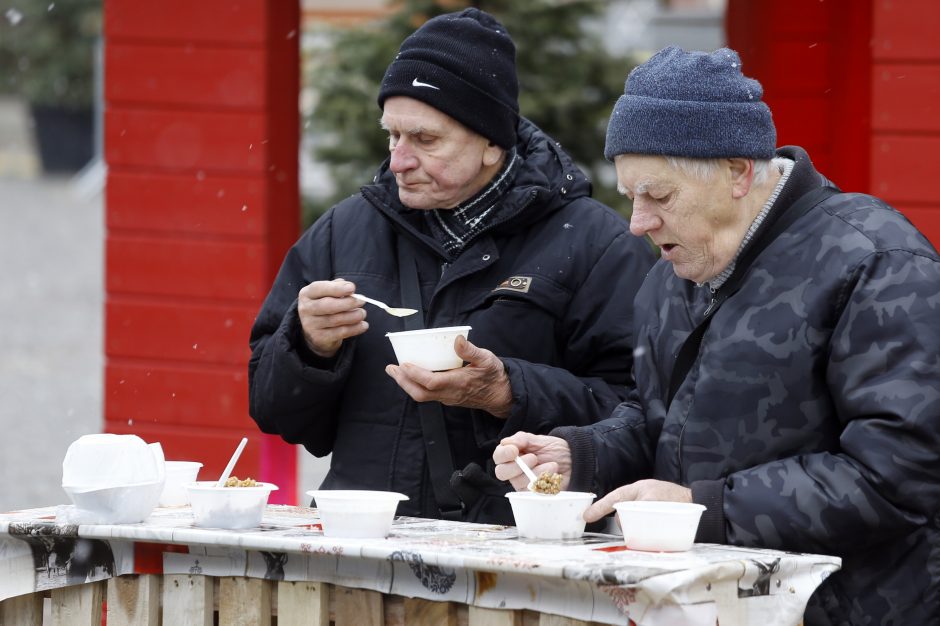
(516, 283)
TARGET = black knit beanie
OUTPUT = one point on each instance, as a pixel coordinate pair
(691, 104)
(464, 65)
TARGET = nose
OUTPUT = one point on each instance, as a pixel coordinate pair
(403, 158)
(643, 220)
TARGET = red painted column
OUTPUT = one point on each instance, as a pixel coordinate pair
(201, 141)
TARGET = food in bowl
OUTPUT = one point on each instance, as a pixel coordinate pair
(547, 483)
(356, 513)
(233, 481)
(227, 507)
(430, 348)
(545, 516)
(655, 526)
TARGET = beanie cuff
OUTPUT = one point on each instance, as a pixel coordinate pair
(453, 96)
(701, 130)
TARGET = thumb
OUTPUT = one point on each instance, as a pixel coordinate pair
(466, 350)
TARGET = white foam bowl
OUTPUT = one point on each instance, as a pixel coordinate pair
(658, 526)
(228, 507)
(544, 516)
(430, 348)
(122, 504)
(356, 513)
(178, 475)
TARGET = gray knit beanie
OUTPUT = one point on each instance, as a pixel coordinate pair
(462, 64)
(691, 104)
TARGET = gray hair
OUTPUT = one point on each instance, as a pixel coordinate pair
(704, 169)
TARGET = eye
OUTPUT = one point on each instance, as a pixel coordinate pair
(663, 199)
(393, 139)
(425, 140)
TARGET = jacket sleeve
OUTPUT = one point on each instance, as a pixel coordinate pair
(610, 453)
(596, 341)
(883, 374)
(292, 392)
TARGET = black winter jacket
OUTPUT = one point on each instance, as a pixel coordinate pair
(565, 342)
(810, 420)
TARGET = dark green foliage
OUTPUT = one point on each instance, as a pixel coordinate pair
(568, 85)
(47, 50)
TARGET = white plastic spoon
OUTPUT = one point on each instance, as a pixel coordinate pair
(231, 463)
(528, 472)
(397, 312)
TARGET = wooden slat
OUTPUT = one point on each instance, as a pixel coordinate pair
(901, 171)
(905, 97)
(303, 604)
(182, 396)
(430, 613)
(186, 140)
(187, 600)
(479, 616)
(78, 605)
(25, 610)
(358, 607)
(179, 332)
(244, 601)
(207, 205)
(557, 620)
(166, 266)
(220, 21)
(134, 600)
(905, 30)
(181, 75)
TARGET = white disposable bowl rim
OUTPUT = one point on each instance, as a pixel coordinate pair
(429, 331)
(210, 485)
(561, 495)
(659, 507)
(182, 464)
(357, 494)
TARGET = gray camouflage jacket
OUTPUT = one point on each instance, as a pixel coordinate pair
(810, 421)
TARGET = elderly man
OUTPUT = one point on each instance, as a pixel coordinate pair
(478, 218)
(788, 350)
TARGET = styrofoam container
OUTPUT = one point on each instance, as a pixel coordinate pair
(178, 475)
(430, 348)
(113, 479)
(122, 504)
(658, 526)
(228, 507)
(356, 513)
(545, 516)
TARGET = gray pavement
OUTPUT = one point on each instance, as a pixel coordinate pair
(51, 320)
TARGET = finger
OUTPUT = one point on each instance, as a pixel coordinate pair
(505, 453)
(339, 333)
(605, 505)
(313, 319)
(522, 440)
(471, 353)
(416, 391)
(424, 377)
(337, 288)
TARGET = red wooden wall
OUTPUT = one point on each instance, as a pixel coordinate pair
(201, 136)
(857, 83)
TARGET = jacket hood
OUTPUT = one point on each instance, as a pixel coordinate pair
(548, 174)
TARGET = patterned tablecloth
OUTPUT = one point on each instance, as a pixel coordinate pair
(594, 578)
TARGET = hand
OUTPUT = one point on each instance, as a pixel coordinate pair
(540, 452)
(640, 490)
(329, 314)
(483, 384)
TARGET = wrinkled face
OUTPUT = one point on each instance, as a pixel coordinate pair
(437, 161)
(697, 224)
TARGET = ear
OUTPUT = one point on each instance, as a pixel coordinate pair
(742, 176)
(492, 154)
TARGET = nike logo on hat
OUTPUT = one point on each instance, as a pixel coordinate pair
(418, 83)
